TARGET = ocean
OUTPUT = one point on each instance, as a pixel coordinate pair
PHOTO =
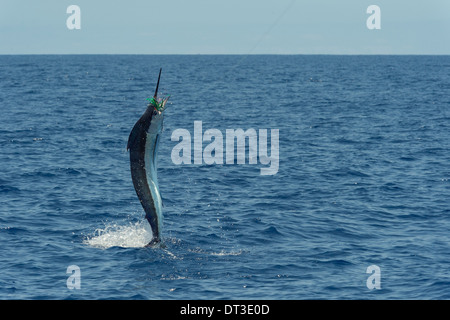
(358, 208)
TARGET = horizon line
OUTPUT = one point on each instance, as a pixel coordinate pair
(232, 54)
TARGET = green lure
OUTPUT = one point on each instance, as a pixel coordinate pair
(158, 105)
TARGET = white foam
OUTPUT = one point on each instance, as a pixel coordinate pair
(224, 253)
(220, 253)
(133, 235)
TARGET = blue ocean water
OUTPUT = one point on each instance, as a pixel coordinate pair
(363, 179)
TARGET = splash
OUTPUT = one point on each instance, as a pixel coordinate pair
(133, 235)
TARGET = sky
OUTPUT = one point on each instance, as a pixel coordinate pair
(224, 27)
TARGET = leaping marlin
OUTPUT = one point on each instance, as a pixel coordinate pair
(143, 144)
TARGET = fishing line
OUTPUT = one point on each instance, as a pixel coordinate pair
(265, 34)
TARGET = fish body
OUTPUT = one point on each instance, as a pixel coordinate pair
(143, 146)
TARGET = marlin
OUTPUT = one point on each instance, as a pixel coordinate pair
(143, 145)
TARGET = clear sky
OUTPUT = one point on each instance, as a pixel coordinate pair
(225, 27)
